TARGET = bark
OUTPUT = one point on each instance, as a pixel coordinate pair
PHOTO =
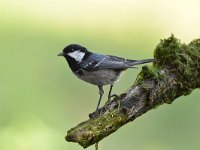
(176, 72)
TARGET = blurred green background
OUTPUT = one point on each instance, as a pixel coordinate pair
(40, 99)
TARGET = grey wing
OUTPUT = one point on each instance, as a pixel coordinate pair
(100, 62)
(113, 62)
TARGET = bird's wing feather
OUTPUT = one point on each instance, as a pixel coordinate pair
(100, 62)
(113, 62)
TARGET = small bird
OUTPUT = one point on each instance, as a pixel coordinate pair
(97, 69)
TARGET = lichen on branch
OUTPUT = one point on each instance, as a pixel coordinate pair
(176, 72)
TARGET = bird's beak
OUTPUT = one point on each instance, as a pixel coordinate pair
(61, 54)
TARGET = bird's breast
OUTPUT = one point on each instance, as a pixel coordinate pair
(100, 77)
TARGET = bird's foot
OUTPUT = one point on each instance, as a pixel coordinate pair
(110, 96)
(116, 99)
(95, 114)
(100, 111)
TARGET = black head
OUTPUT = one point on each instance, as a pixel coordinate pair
(75, 54)
(72, 48)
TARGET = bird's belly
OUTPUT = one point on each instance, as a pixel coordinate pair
(100, 77)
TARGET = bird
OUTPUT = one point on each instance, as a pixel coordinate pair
(97, 69)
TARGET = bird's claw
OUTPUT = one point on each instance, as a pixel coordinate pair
(116, 98)
(95, 114)
(110, 96)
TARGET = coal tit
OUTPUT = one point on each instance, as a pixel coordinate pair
(97, 69)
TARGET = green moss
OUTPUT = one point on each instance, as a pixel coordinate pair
(182, 60)
(167, 50)
(93, 130)
(149, 73)
(172, 59)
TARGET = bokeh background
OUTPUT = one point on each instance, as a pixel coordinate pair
(40, 99)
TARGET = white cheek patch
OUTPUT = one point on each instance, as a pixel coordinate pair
(77, 55)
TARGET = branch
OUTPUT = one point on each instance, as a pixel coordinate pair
(175, 73)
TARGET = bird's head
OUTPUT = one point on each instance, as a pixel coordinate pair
(74, 51)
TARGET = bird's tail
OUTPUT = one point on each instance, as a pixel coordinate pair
(138, 62)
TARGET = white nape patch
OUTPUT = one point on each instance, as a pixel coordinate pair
(77, 55)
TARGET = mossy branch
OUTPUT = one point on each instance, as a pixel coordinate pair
(176, 72)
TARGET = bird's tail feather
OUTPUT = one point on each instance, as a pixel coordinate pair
(138, 62)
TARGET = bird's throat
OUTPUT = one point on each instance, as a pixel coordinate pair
(73, 64)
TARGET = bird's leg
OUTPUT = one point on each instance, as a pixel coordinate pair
(110, 91)
(97, 112)
(112, 95)
(101, 92)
